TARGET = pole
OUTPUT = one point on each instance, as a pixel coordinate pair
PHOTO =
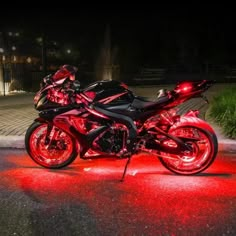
(3, 75)
(44, 54)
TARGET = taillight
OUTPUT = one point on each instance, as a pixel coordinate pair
(184, 87)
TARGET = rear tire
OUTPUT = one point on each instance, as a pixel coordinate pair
(203, 154)
(58, 156)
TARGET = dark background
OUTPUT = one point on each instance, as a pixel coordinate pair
(152, 29)
(189, 38)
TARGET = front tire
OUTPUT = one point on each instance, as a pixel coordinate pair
(59, 155)
(204, 150)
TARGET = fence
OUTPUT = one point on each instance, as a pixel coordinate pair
(29, 79)
(148, 76)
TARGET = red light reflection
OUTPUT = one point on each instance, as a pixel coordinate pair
(184, 87)
(151, 200)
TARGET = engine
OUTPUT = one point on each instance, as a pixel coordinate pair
(111, 141)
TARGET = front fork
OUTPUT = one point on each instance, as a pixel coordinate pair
(51, 135)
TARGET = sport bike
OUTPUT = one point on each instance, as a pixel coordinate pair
(74, 121)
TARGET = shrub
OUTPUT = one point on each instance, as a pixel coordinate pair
(223, 111)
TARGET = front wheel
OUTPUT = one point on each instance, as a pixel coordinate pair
(59, 153)
(204, 148)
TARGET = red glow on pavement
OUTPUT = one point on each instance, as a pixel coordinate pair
(149, 196)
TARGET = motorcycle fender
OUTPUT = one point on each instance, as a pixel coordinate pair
(190, 120)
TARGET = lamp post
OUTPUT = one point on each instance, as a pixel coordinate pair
(44, 54)
(3, 58)
(3, 75)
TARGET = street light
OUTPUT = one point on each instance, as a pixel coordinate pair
(29, 60)
(68, 51)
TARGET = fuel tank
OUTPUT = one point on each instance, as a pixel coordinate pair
(108, 92)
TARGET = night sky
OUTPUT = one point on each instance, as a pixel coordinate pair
(137, 18)
(147, 31)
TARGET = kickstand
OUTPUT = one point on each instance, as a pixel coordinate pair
(126, 165)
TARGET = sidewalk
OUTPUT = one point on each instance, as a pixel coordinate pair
(17, 113)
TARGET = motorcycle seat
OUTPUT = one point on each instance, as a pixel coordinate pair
(143, 103)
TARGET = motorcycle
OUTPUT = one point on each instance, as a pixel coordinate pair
(75, 121)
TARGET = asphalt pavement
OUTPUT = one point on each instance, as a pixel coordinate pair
(88, 199)
(17, 113)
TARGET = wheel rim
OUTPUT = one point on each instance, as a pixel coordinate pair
(194, 161)
(55, 156)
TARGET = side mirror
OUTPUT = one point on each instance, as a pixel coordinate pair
(76, 85)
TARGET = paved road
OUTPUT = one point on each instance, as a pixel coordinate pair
(87, 198)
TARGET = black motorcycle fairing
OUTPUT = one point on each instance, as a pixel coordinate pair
(120, 118)
(44, 103)
(114, 115)
(108, 89)
(138, 109)
(103, 85)
(49, 114)
(127, 110)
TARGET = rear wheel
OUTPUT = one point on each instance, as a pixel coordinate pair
(204, 148)
(59, 153)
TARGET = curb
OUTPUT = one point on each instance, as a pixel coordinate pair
(227, 145)
(13, 141)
